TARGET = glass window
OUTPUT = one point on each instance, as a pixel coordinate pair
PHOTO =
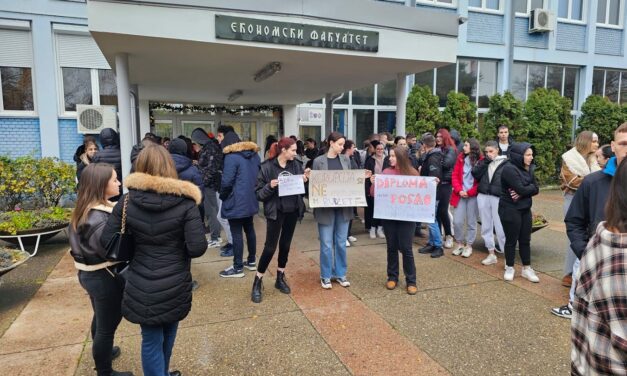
(424, 78)
(386, 122)
(363, 124)
(487, 82)
(601, 11)
(17, 89)
(445, 82)
(467, 79)
(537, 75)
(107, 87)
(163, 128)
(597, 81)
(562, 9)
(520, 6)
(609, 12)
(339, 121)
(614, 12)
(485, 4)
(188, 126)
(623, 89)
(611, 85)
(535, 4)
(576, 10)
(246, 130)
(475, 3)
(492, 4)
(386, 93)
(364, 95)
(76, 87)
(519, 81)
(343, 99)
(311, 131)
(554, 78)
(570, 84)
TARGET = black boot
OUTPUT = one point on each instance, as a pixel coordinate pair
(256, 296)
(281, 284)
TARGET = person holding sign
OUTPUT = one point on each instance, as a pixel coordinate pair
(399, 234)
(281, 207)
(333, 221)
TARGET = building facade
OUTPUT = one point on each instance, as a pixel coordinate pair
(49, 63)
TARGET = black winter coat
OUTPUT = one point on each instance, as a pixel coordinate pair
(110, 152)
(449, 157)
(587, 209)
(514, 176)
(431, 164)
(270, 170)
(487, 186)
(163, 217)
(210, 162)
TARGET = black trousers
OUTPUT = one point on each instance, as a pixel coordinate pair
(105, 293)
(444, 196)
(278, 231)
(248, 226)
(399, 236)
(369, 212)
(517, 228)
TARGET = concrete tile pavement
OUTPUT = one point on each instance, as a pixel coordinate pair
(464, 320)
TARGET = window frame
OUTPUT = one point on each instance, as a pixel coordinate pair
(606, 24)
(20, 113)
(546, 78)
(584, 13)
(483, 8)
(621, 72)
(437, 3)
(545, 5)
(95, 91)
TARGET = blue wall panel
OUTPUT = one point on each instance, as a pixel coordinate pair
(571, 37)
(485, 28)
(522, 37)
(19, 137)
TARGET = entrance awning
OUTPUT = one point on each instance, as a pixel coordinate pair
(175, 55)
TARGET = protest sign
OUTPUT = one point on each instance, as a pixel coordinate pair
(336, 188)
(405, 198)
(290, 185)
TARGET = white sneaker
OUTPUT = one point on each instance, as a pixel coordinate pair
(373, 233)
(490, 260)
(380, 233)
(326, 283)
(214, 243)
(348, 244)
(509, 273)
(352, 239)
(459, 248)
(448, 242)
(467, 251)
(530, 274)
(342, 281)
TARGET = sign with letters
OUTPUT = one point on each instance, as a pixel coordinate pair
(290, 185)
(336, 188)
(405, 198)
(297, 34)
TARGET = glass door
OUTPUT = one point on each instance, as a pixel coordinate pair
(188, 126)
(246, 130)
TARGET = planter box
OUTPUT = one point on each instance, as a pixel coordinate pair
(29, 237)
(25, 257)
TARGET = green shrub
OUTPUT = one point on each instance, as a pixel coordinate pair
(548, 129)
(601, 116)
(20, 220)
(422, 113)
(504, 110)
(460, 114)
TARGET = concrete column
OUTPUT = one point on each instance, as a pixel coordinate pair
(124, 110)
(45, 87)
(401, 103)
(290, 120)
(328, 115)
(144, 117)
(508, 37)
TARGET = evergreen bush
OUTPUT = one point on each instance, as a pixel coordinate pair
(506, 110)
(460, 114)
(602, 117)
(422, 113)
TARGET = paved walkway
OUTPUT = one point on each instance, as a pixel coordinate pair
(464, 320)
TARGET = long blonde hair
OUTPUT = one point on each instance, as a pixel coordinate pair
(91, 191)
(583, 143)
(156, 161)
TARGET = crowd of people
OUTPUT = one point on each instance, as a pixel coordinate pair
(183, 193)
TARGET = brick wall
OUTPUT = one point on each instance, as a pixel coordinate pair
(609, 41)
(19, 137)
(69, 139)
(522, 37)
(570, 37)
(485, 28)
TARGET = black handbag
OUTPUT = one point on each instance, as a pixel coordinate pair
(121, 246)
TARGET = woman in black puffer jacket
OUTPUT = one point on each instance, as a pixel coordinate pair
(163, 216)
(446, 143)
(281, 212)
(518, 185)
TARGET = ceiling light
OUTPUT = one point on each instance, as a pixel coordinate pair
(268, 71)
(234, 95)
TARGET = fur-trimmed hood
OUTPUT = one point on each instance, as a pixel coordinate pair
(144, 182)
(241, 146)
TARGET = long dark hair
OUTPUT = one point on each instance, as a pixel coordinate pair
(91, 191)
(277, 147)
(334, 136)
(616, 206)
(475, 150)
(270, 140)
(347, 146)
(403, 164)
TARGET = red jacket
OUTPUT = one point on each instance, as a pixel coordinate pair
(457, 181)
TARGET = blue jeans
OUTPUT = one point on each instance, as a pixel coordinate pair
(333, 246)
(435, 236)
(157, 344)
